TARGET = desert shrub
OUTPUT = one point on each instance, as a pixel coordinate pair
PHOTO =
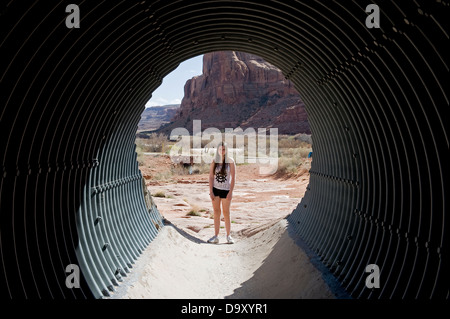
(140, 155)
(163, 176)
(193, 213)
(155, 143)
(200, 168)
(159, 194)
(296, 141)
(288, 165)
(293, 153)
(195, 210)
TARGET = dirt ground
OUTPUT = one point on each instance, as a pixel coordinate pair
(258, 199)
(264, 263)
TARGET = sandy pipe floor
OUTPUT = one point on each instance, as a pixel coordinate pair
(266, 265)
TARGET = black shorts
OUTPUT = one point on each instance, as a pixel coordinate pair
(220, 192)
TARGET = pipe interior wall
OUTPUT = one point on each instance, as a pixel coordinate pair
(70, 188)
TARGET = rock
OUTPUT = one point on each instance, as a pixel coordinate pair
(240, 90)
(194, 228)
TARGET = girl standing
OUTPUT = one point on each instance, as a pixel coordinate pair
(222, 175)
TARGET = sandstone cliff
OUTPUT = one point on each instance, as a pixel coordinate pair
(240, 90)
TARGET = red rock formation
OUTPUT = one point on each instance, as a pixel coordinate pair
(240, 89)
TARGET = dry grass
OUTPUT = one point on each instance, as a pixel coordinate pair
(159, 194)
(292, 155)
(156, 143)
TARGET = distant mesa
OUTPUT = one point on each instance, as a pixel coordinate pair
(153, 117)
(239, 90)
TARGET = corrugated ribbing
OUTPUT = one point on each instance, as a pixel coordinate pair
(70, 188)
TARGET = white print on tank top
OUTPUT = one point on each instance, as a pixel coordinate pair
(222, 181)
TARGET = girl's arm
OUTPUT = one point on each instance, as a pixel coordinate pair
(211, 180)
(233, 178)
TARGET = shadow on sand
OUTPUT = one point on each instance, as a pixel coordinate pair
(290, 271)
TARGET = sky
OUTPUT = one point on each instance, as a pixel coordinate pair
(171, 91)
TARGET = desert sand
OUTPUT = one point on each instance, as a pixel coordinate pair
(264, 263)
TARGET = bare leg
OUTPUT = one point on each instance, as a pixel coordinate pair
(216, 207)
(226, 214)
